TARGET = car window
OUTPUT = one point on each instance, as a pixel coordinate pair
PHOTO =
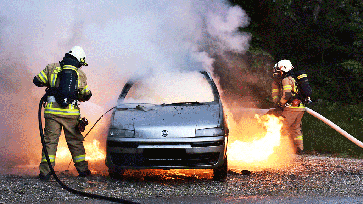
(171, 88)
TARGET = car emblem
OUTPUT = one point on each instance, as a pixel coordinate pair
(164, 133)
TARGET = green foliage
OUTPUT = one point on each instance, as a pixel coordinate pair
(336, 82)
(320, 137)
(307, 32)
(354, 67)
(259, 51)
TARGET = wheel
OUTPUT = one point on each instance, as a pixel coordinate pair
(116, 173)
(220, 173)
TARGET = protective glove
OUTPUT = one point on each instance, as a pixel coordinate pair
(44, 100)
(82, 123)
(48, 92)
(280, 107)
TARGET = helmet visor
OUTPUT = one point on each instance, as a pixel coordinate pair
(277, 72)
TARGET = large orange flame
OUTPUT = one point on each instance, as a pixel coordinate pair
(258, 145)
(93, 152)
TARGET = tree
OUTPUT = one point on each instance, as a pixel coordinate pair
(324, 31)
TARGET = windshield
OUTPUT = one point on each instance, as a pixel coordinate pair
(171, 88)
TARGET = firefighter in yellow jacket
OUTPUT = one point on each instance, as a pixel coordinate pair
(284, 95)
(66, 116)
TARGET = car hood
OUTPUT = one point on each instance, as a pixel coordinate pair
(167, 120)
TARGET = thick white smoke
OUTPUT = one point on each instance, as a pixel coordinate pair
(120, 38)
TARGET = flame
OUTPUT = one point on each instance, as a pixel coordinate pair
(172, 174)
(63, 153)
(93, 152)
(258, 145)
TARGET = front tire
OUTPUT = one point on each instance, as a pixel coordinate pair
(220, 173)
(116, 173)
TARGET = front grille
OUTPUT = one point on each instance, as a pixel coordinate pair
(164, 158)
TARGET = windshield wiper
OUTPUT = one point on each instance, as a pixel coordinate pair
(182, 103)
(137, 106)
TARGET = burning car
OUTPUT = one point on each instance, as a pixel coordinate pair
(168, 121)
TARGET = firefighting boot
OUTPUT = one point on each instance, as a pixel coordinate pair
(299, 144)
(82, 169)
(84, 173)
(43, 177)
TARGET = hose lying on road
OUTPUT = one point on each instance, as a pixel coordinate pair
(337, 128)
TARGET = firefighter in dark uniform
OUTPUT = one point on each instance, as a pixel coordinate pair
(284, 95)
(66, 117)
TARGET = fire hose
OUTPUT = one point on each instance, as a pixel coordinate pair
(71, 190)
(334, 126)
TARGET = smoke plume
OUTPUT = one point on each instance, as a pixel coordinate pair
(120, 38)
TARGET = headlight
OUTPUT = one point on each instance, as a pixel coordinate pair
(209, 132)
(114, 132)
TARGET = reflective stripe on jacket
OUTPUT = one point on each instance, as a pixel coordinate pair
(52, 108)
(285, 91)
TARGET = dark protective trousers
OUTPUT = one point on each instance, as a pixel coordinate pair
(52, 131)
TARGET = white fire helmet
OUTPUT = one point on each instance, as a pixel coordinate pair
(284, 65)
(79, 53)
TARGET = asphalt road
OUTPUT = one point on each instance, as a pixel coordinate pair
(310, 179)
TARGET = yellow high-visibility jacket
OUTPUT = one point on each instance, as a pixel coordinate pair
(48, 78)
(284, 91)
